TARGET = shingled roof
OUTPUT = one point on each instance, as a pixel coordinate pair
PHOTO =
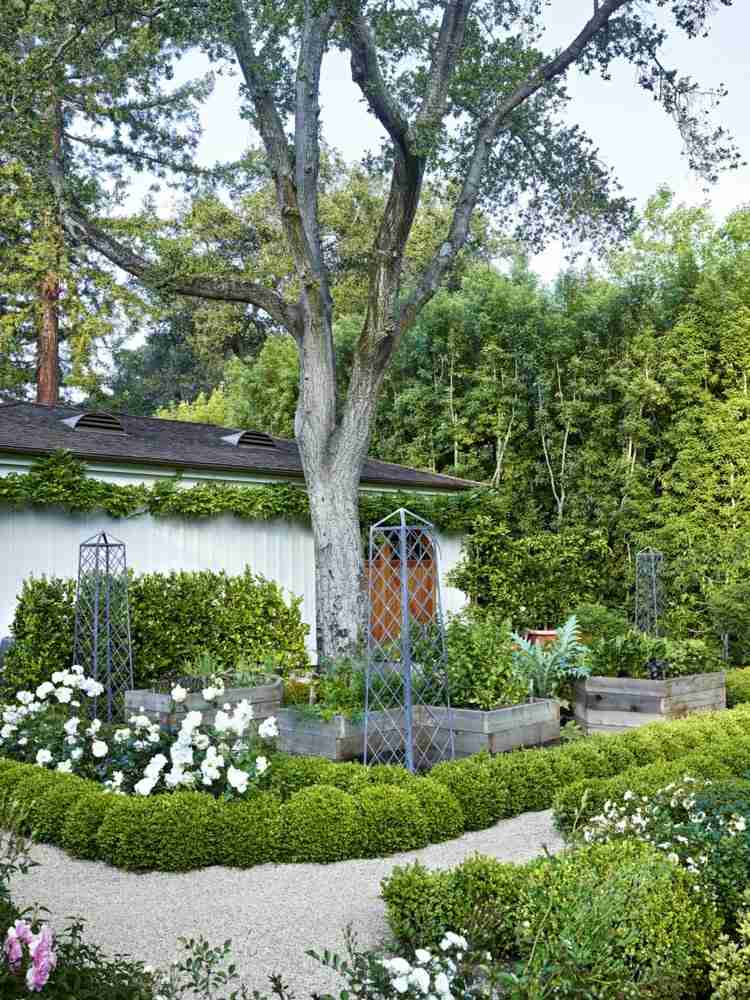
(34, 429)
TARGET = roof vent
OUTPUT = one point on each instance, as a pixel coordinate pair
(249, 439)
(95, 421)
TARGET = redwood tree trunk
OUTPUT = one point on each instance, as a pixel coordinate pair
(47, 374)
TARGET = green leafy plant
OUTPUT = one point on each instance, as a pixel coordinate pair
(480, 665)
(544, 667)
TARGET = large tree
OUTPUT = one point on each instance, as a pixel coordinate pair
(463, 94)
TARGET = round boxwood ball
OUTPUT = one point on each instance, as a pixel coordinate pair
(320, 824)
(48, 811)
(79, 835)
(391, 820)
(249, 830)
(441, 810)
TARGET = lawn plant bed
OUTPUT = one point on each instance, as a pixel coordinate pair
(616, 704)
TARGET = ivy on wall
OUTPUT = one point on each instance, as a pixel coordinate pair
(61, 480)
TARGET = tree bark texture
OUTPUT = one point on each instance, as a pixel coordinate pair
(47, 365)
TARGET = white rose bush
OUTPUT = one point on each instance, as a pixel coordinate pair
(51, 728)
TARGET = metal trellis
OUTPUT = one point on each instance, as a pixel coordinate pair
(408, 718)
(649, 590)
(102, 643)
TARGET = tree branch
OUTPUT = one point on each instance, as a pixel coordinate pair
(368, 77)
(486, 134)
(447, 50)
(226, 289)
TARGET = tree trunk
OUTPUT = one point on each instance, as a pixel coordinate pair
(47, 377)
(339, 591)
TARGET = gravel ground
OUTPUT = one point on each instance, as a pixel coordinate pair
(273, 913)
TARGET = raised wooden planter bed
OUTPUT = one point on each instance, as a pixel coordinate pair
(337, 738)
(265, 699)
(615, 704)
(531, 724)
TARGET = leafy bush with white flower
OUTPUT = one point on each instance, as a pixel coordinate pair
(701, 825)
(52, 728)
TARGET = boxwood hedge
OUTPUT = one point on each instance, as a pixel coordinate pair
(313, 810)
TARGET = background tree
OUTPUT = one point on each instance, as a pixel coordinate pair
(461, 93)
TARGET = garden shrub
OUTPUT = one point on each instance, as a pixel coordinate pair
(175, 832)
(174, 617)
(472, 782)
(350, 777)
(320, 824)
(48, 811)
(32, 787)
(249, 831)
(527, 777)
(480, 661)
(80, 830)
(479, 897)
(11, 773)
(390, 820)
(441, 809)
(391, 774)
(628, 910)
(738, 686)
(290, 774)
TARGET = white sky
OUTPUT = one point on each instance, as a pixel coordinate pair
(631, 130)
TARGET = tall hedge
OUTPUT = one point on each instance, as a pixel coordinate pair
(174, 617)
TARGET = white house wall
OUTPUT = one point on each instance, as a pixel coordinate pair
(37, 541)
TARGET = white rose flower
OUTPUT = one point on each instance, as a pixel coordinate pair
(121, 735)
(210, 693)
(181, 755)
(63, 695)
(71, 726)
(400, 984)
(99, 748)
(422, 955)
(268, 730)
(43, 757)
(192, 720)
(442, 984)
(66, 766)
(201, 741)
(421, 979)
(221, 722)
(7, 731)
(157, 763)
(452, 940)
(77, 753)
(397, 966)
(57, 677)
(77, 669)
(92, 688)
(44, 689)
(261, 764)
(179, 693)
(145, 786)
(174, 777)
(94, 728)
(237, 779)
(25, 697)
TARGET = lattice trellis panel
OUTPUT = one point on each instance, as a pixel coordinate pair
(407, 715)
(102, 631)
(649, 590)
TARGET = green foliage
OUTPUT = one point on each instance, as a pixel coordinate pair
(480, 661)
(390, 820)
(481, 894)
(43, 627)
(543, 668)
(595, 621)
(290, 774)
(483, 799)
(618, 919)
(162, 832)
(320, 824)
(738, 686)
(730, 961)
(249, 831)
(174, 618)
(441, 810)
(51, 806)
(79, 832)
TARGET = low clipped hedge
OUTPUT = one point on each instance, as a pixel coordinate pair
(728, 757)
(738, 686)
(317, 811)
(667, 928)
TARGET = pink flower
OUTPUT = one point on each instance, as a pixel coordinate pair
(18, 935)
(43, 959)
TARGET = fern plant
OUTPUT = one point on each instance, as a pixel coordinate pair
(544, 668)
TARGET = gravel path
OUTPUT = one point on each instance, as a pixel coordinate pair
(273, 913)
